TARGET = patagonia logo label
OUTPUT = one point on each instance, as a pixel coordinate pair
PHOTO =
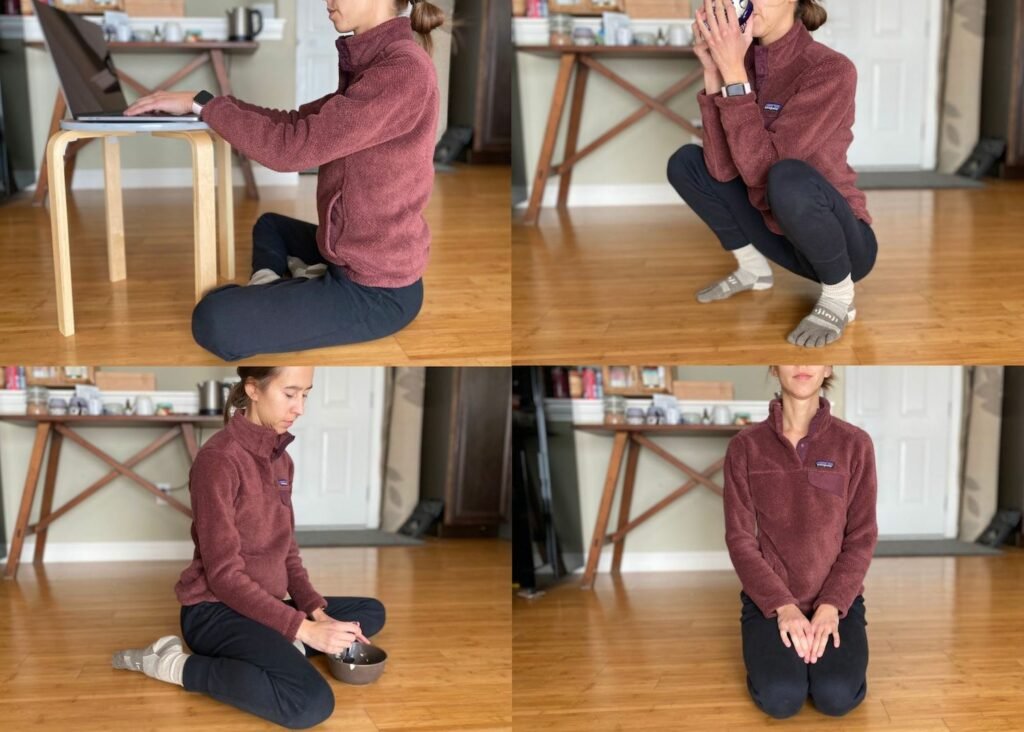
(825, 464)
(773, 107)
(282, 482)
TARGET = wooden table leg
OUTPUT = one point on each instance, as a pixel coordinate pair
(220, 70)
(59, 230)
(188, 434)
(604, 511)
(48, 487)
(204, 213)
(626, 503)
(540, 177)
(60, 108)
(28, 495)
(573, 133)
(225, 208)
(115, 208)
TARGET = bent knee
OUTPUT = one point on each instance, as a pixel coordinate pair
(211, 329)
(837, 698)
(781, 699)
(315, 706)
(683, 163)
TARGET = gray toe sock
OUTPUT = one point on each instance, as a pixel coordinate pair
(739, 281)
(298, 644)
(824, 325)
(163, 659)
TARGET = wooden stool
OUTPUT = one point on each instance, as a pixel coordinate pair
(203, 141)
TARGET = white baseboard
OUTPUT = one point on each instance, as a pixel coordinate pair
(109, 551)
(658, 561)
(89, 179)
(592, 195)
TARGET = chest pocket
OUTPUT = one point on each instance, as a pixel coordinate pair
(827, 481)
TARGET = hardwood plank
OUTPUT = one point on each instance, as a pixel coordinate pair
(465, 320)
(448, 639)
(663, 651)
(617, 284)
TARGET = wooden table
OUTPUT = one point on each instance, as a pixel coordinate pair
(202, 141)
(637, 437)
(203, 52)
(54, 429)
(583, 59)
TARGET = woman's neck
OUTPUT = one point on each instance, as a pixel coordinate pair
(797, 414)
(777, 33)
(252, 416)
(372, 23)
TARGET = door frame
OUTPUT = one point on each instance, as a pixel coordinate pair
(377, 402)
(953, 440)
(936, 22)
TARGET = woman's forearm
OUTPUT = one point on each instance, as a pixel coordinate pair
(712, 82)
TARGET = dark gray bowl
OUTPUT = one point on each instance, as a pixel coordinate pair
(362, 664)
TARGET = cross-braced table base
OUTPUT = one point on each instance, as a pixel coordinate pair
(55, 430)
(581, 59)
(636, 438)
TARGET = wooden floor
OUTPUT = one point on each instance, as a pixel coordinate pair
(447, 637)
(662, 651)
(465, 318)
(603, 285)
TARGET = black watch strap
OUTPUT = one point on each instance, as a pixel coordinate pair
(200, 100)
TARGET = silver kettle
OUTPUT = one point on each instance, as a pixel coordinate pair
(241, 26)
(211, 399)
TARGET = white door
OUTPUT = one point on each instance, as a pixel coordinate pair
(895, 47)
(316, 60)
(912, 415)
(337, 450)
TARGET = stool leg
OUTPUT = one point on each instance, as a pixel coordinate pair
(115, 208)
(204, 212)
(225, 209)
(59, 230)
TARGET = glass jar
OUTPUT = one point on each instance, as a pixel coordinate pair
(614, 410)
(560, 29)
(37, 398)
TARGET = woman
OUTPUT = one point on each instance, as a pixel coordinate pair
(772, 180)
(357, 274)
(800, 526)
(249, 644)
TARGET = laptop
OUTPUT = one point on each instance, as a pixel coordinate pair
(86, 70)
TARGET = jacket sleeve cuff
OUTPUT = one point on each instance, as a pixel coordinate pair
(292, 628)
(839, 605)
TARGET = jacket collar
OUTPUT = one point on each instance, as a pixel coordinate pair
(359, 51)
(778, 55)
(819, 422)
(262, 442)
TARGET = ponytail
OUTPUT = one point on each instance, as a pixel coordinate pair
(238, 398)
(811, 13)
(425, 17)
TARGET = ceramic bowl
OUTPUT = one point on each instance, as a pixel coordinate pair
(363, 664)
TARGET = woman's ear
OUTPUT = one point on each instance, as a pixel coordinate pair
(251, 391)
(829, 372)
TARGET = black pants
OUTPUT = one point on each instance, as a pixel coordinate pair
(823, 239)
(244, 663)
(235, 322)
(778, 679)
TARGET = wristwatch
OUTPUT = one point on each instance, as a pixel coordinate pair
(736, 90)
(200, 100)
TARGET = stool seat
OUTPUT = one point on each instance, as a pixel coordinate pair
(210, 212)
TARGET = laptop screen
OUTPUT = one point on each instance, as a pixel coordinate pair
(83, 61)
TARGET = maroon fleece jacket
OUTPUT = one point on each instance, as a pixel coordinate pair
(373, 141)
(801, 108)
(800, 521)
(244, 529)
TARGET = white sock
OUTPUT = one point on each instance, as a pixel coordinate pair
(298, 268)
(263, 277)
(298, 644)
(751, 262)
(163, 659)
(841, 292)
